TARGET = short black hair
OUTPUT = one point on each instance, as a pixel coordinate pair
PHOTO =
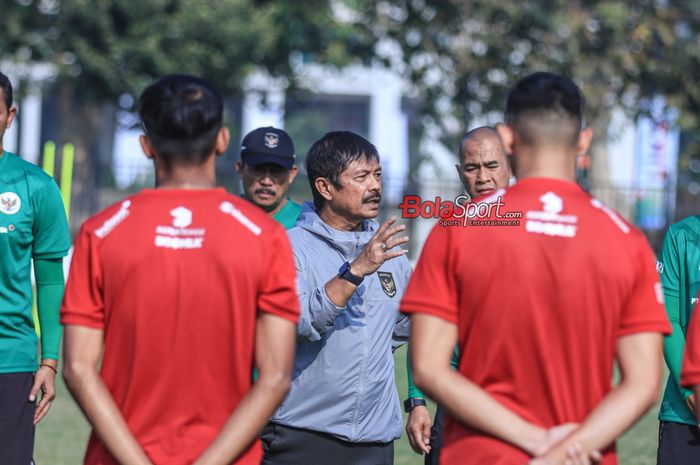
(545, 105)
(6, 86)
(329, 156)
(182, 116)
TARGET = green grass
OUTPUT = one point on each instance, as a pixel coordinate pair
(62, 436)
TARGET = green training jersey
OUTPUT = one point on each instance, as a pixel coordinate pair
(32, 225)
(289, 214)
(679, 267)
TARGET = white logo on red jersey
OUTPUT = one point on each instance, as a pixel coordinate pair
(10, 203)
(230, 209)
(178, 236)
(550, 221)
(182, 217)
(613, 216)
(552, 203)
(113, 221)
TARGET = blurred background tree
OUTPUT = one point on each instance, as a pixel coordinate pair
(106, 52)
(460, 57)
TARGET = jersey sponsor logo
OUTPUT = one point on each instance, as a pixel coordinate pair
(182, 217)
(179, 236)
(552, 203)
(10, 203)
(550, 221)
(386, 279)
(231, 210)
(177, 243)
(551, 229)
(659, 266)
(114, 221)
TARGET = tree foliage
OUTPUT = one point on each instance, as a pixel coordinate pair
(463, 56)
(460, 56)
(108, 48)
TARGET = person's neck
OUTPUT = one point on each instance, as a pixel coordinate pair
(279, 206)
(547, 162)
(186, 177)
(337, 221)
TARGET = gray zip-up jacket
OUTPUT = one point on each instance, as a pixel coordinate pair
(343, 379)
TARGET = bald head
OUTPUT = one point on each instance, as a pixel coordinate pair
(483, 165)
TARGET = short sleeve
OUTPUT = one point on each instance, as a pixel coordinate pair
(690, 375)
(83, 302)
(277, 293)
(432, 288)
(669, 265)
(644, 309)
(51, 236)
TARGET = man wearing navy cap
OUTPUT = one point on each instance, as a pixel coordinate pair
(267, 170)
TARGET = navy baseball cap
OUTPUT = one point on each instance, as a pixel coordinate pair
(268, 145)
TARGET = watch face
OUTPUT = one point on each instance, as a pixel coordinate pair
(344, 269)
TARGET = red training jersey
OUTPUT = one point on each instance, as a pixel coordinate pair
(690, 374)
(176, 279)
(539, 304)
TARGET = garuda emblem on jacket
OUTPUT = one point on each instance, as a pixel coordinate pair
(386, 279)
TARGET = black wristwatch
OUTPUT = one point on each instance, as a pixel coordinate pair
(412, 402)
(344, 273)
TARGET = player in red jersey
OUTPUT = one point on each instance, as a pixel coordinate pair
(183, 287)
(566, 289)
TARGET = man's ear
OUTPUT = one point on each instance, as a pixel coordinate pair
(239, 167)
(293, 173)
(507, 136)
(222, 139)
(147, 147)
(324, 187)
(585, 137)
(11, 116)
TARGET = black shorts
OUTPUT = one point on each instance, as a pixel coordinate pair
(16, 419)
(283, 445)
(679, 444)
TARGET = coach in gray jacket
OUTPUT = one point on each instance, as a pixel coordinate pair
(343, 407)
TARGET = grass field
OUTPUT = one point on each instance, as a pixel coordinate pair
(62, 435)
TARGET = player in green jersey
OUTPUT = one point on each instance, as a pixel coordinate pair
(679, 266)
(33, 226)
